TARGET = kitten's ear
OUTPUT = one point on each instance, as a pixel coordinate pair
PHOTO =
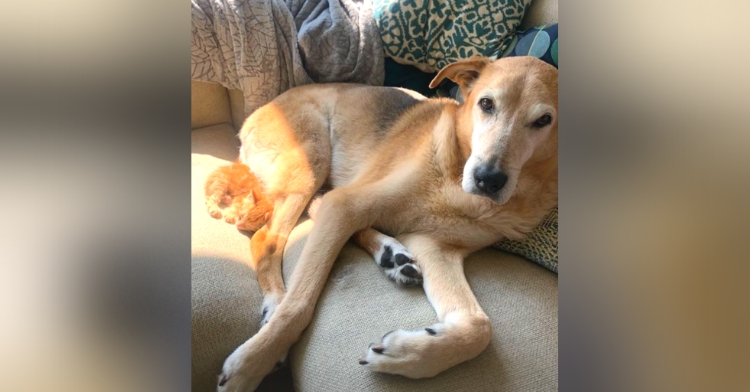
(257, 193)
(464, 73)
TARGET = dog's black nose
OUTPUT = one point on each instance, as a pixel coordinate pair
(489, 178)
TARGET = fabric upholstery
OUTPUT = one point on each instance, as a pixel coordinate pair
(209, 105)
(540, 42)
(430, 34)
(540, 12)
(359, 304)
(237, 105)
(540, 246)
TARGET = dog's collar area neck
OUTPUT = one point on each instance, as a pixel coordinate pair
(452, 150)
(462, 133)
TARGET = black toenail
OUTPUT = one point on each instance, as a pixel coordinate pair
(378, 349)
(265, 310)
(430, 331)
(402, 259)
(409, 271)
(363, 362)
(387, 333)
(223, 380)
(385, 260)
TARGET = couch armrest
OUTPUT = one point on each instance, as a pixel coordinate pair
(237, 105)
(209, 105)
(540, 12)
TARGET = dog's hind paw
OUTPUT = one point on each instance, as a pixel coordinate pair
(398, 264)
(246, 367)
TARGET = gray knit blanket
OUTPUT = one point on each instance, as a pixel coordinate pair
(265, 47)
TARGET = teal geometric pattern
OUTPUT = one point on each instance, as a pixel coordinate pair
(431, 34)
(539, 42)
(540, 246)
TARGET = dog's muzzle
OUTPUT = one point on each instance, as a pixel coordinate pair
(489, 179)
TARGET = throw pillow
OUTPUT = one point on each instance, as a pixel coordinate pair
(540, 246)
(431, 34)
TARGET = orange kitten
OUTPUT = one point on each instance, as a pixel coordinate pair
(237, 187)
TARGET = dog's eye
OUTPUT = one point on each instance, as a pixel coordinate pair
(543, 121)
(486, 104)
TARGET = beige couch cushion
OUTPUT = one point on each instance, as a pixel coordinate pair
(209, 105)
(237, 104)
(359, 304)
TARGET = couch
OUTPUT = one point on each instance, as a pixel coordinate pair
(359, 303)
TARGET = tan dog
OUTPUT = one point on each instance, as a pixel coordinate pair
(443, 179)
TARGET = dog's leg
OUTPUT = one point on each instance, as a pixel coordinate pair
(342, 212)
(267, 248)
(463, 329)
(389, 254)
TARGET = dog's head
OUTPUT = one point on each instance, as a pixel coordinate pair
(510, 108)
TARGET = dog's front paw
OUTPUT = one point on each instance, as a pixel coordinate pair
(270, 302)
(409, 353)
(246, 367)
(429, 351)
(398, 264)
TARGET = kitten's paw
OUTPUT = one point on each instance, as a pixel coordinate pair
(215, 212)
(231, 216)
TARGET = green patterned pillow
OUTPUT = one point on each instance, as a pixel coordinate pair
(540, 246)
(431, 34)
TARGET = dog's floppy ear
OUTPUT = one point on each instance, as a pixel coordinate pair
(463, 72)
